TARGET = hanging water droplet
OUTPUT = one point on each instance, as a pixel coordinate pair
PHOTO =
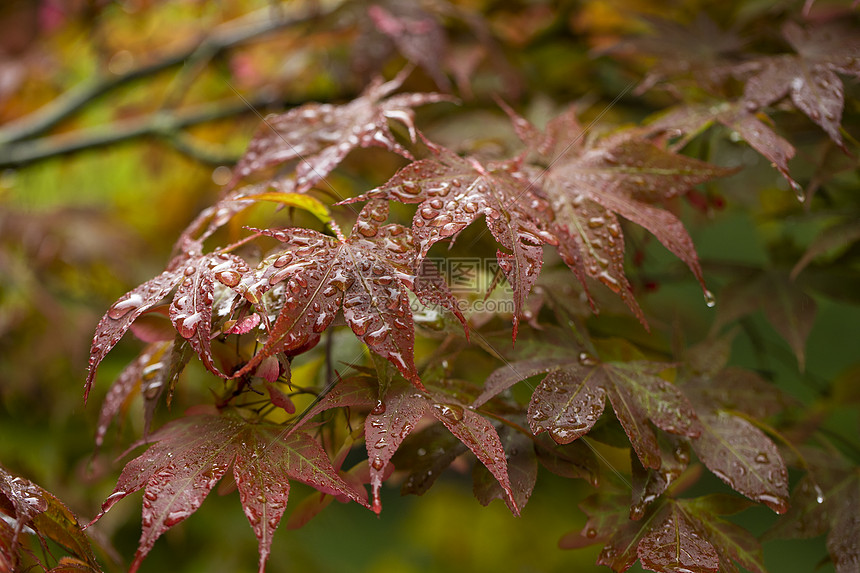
(377, 463)
(799, 193)
(710, 299)
(819, 495)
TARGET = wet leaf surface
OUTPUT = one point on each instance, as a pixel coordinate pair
(190, 455)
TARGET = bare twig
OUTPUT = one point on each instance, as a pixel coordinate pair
(166, 125)
(228, 35)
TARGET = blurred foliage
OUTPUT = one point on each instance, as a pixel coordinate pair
(94, 195)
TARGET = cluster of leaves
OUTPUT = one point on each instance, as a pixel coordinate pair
(253, 308)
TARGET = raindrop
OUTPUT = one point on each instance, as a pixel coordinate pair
(377, 463)
(587, 359)
(410, 188)
(440, 220)
(405, 430)
(123, 307)
(798, 190)
(762, 458)
(710, 299)
(379, 409)
(283, 260)
(819, 495)
(451, 412)
(187, 326)
(377, 336)
(229, 278)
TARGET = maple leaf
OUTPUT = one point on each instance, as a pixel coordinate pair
(571, 205)
(28, 505)
(700, 48)
(790, 310)
(453, 192)
(689, 120)
(589, 183)
(737, 452)
(675, 535)
(522, 462)
(826, 500)
(192, 453)
(398, 412)
(366, 274)
(190, 311)
(809, 78)
(832, 238)
(573, 460)
(125, 384)
(321, 135)
(647, 483)
(672, 544)
(570, 398)
(416, 34)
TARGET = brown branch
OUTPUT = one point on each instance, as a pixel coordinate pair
(165, 125)
(226, 36)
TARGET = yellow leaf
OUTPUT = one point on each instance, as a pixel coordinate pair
(300, 200)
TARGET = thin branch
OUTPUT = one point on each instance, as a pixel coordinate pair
(166, 125)
(228, 35)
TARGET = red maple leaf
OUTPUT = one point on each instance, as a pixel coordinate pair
(319, 136)
(366, 274)
(191, 454)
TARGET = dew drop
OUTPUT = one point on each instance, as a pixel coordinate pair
(591, 533)
(123, 307)
(410, 188)
(229, 278)
(379, 409)
(378, 336)
(710, 299)
(377, 463)
(451, 412)
(762, 458)
(587, 359)
(283, 260)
